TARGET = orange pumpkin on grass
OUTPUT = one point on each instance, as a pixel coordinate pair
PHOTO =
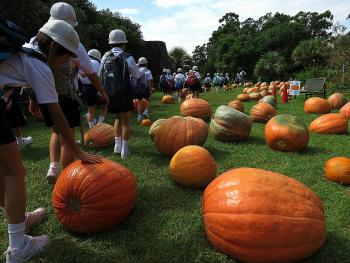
(99, 136)
(197, 108)
(146, 122)
(89, 198)
(255, 215)
(167, 99)
(332, 123)
(317, 105)
(262, 112)
(237, 105)
(154, 127)
(336, 100)
(345, 110)
(338, 170)
(243, 97)
(193, 166)
(286, 133)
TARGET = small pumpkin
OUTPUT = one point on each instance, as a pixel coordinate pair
(237, 105)
(193, 166)
(345, 110)
(167, 99)
(317, 105)
(243, 97)
(144, 104)
(197, 108)
(154, 127)
(262, 112)
(146, 122)
(332, 123)
(286, 133)
(270, 100)
(177, 132)
(228, 124)
(89, 198)
(338, 170)
(255, 96)
(336, 100)
(247, 213)
(99, 136)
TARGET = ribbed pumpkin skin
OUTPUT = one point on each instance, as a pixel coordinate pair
(338, 170)
(192, 166)
(146, 122)
(254, 96)
(237, 105)
(154, 127)
(243, 97)
(90, 198)
(332, 123)
(178, 132)
(167, 99)
(230, 125)
(99, 136)
(336, 100)
(317, 105)
(286, 133)
(345, 110)
(259, 216)
(262, 112)
(270, 100)
(197, 108)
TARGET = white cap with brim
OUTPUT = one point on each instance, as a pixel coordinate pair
(65, 12)
(62, 33)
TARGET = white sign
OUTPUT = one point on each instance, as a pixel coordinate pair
(294, 88)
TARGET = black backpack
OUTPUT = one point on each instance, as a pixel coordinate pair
(12, 37)
(164, 84)
(115, 76)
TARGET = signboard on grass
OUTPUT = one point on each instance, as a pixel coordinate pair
(294, 88)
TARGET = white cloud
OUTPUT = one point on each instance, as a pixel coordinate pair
(129, 11)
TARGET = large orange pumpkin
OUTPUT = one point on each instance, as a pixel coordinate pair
(317, 105)
(338, 170)
(90, 198)
(237, 105)
(336, 100)
(260, 216)
(230, 125)
(243, 97)
(193, 166)
(262, 112)
(332, 123)
(345, 110)
(286, 133)
(144, 104)
(255, 96)
(197, 108)
(154, 127)
(99, 136)
(177, 132)
(167, 99)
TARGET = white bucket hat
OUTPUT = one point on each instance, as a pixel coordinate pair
(195, 68)
(65, 12)
(142, 61)
(117, 36)
(62, 33)
(95, 54)
(179, 70)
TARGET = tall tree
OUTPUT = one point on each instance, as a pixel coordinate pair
(180, 57)
(270, 66)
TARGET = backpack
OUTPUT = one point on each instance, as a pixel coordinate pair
(12, 38)
(115, 76)
(192, 80)
(179, 82)
(139, 86)
(64, 76)
(226, 80)
(163, 84)
(207, 80)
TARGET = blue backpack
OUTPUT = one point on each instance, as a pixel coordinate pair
(12, 38)
(179, 83)
(139, 86)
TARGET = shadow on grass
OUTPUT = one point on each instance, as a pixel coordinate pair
(312, 150)
(35, 153)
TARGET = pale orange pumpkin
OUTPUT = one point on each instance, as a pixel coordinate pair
(255, 96)
(317, 105)
(197, 108)
(167, 99)
(345, 110)
(336, 100)
(237, 105)
(332, 123)
(99, 136)
(243, 97)
(193, 166)
(255, 215)
(338, 170)
(262, 112)
(146, 123)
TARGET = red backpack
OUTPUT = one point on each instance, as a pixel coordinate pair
(192, 80)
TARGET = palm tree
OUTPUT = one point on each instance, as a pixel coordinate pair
(180, 56)
(270, 66)
(311, 52)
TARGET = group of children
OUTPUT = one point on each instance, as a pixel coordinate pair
(52, 64)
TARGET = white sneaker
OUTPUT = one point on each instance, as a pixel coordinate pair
(52, 174)
(117, 150)
(33, 246)
(25, 141)
(33, 218)
(125, 154)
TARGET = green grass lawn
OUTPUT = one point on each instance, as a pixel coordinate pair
(166, 224)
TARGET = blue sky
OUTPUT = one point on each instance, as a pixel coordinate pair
(188, 23)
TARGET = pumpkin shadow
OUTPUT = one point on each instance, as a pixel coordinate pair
(256, 140)
(312, 150)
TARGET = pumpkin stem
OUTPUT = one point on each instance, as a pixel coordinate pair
(74, 205)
